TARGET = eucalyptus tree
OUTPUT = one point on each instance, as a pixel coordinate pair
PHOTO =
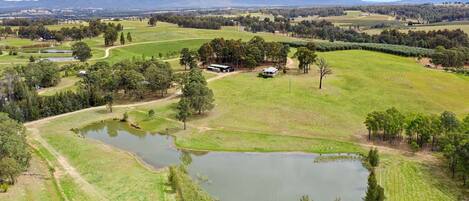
(305, 57)
(323, 69)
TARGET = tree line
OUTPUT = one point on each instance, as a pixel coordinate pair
(424, 13)
(244, 54)
(453, 57)
(401, 50)
(94, 29)
(101, 84)
(305, 12)
(29, 22)
(128, 79)
(431, 39)
(444, 133)
(192, 21)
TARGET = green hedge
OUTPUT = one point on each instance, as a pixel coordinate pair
(401, 50)
(186, 189)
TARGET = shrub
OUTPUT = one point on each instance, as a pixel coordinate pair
(4, 187)
(414, 146)
(125, 117)
(151, 113)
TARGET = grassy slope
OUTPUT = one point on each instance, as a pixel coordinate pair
(362, 82)
(405, 178)
(164, 31)
(66, 83)
(114, 173)
(309, 110)
(353, 18)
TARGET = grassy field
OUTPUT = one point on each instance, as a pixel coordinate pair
(66, 83)
(354, 18)
(408, 179)
(147, 41)
(115, 174)
(464, 26)
(362, 82)
(287, 113)
(300, 118)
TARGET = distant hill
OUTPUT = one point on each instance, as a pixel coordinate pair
(162, 4)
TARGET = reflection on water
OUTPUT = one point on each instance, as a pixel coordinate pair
(60, 59)
(56, 51)
(233, 176)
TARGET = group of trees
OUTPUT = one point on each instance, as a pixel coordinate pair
(424, 13)
(307, 57)
(190, 20)
(14, 154)
(443, 132)
(196, 97)
(102, 82)
(40, 74)
(20, 100)
(304, 12)
(453, 57)
(29, 22)
(256, 24)
(426, 39)
(94, 29)
(129, 79)
(247, 54)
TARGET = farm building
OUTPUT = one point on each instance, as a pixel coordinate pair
(220, 68)
(269, 72)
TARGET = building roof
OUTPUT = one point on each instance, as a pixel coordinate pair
(219, 66)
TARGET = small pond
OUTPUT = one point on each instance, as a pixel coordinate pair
(60, 59)
(235, 176)
(55, 51)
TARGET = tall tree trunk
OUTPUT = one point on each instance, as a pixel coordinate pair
(320, 82)
(184, 124)
(369, 135)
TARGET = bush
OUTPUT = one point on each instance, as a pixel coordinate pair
(414, 146)
(4, 187)
(151, 113)
(125, 117)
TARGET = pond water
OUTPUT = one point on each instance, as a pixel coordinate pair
(60, 59)
(235, 176)
(56, 51)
